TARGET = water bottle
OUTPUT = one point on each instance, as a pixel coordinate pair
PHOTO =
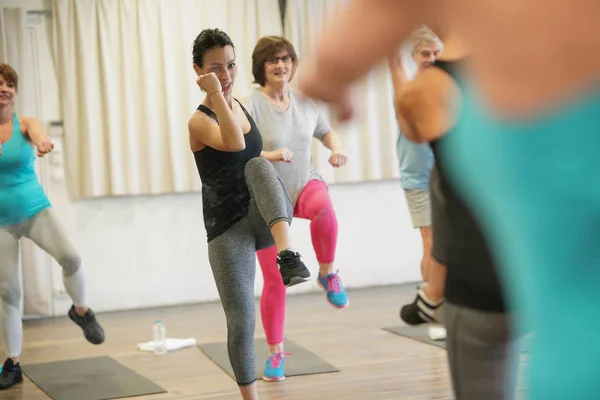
(160, 338)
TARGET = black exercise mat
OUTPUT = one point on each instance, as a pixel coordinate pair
(300, 362)
(420, 333)
(98, 378)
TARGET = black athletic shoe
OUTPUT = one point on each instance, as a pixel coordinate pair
(11, 374)
(292, 269)
(420, 311)
(92, 330)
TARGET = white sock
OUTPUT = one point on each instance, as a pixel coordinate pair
(430, 302)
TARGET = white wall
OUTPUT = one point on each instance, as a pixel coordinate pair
(151, 251)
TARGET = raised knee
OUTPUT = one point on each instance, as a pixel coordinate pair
(326, 212)
(257, 165)
(10, 294)
(258, 162)
(70, 263)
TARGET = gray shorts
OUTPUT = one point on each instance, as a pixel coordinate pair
(419, 206)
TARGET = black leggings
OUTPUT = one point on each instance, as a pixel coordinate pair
(233, 262)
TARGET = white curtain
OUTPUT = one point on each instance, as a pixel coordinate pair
(370, 139)
(17, 48)
(128, 87)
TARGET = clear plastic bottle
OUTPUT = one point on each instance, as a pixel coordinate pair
(160, 338)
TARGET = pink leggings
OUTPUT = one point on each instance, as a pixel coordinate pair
(315, 205)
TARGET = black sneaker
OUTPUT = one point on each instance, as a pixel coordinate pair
(292, 269)
(420, 311)
(11, 374)
(92, 330)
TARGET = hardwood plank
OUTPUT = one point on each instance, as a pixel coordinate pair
(374, 364)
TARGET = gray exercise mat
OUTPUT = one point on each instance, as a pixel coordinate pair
(420, 333)
(300, 362)
(98, 378)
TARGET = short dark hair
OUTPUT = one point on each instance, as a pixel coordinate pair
(10, 75)
(266, 48)
(206, 40)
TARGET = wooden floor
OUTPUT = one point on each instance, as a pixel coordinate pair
(374, 364)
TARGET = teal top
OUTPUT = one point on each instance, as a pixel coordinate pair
(535, 186)
(21, 195)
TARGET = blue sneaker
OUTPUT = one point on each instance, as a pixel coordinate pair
(274, 367)
(336, 295)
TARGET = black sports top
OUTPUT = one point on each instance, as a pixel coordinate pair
(225, 195)
(457, 240)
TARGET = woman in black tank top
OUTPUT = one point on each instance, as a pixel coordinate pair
(245, 205)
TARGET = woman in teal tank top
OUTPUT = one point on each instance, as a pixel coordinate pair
(535, 185)
(21, 195)
(25, 211)
(531, 179)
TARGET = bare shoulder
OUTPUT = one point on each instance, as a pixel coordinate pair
(199, 125)
(246, 102)
(199, 121)
(427, 107)
(29, 120)
(432, 85)
(28, 123)
(24, 122)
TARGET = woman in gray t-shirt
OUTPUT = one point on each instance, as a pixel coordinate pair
(288, 122)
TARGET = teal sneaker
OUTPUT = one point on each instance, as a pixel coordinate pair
(332, 285)
(274, 367)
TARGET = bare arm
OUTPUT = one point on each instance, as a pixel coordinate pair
(38, 136)
(231, 131)
(399, 77)
(399, 81)
(35, 130)
(332, 141)
(427, 108)
(366, 32)
(406, 103)
(284, 154)
(227, 135)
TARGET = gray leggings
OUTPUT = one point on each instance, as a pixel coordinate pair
(233, 262)
(45, 231)
(483, 356)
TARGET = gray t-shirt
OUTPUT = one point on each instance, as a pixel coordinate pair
(293, 129)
